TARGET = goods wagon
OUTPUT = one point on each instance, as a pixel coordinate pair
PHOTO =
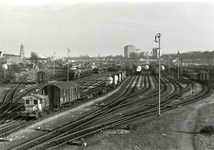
(42, 77)
(60, 94)
(203, 76)
(155, 68)
(75, 74)
(115, 79)
(146, 67)
(129, 70)
(99, 70)
(138, 69)
(54, 95)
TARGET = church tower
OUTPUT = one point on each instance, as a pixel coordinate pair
(22, 54)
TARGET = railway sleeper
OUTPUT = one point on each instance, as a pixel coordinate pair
(44, 129)
(179, 97)
(100, 105)
(79, 142)
(169, 106)
(7, 139)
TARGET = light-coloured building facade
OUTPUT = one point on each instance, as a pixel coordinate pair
(128, 49)
(9, 60)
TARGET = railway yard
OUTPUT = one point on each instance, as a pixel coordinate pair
(108, 110)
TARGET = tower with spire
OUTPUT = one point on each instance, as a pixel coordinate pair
(22, 54)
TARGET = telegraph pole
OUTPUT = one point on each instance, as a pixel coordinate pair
(159, 85)
(68, 51)
(5, 67)
(178, 64)
(54, 62)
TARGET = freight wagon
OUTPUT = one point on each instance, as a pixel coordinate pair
(196, 75)
(75, 74)
(99, 70)
(61, 94)
(42, 77)
(203, 76)
(138, 69)
(155, 68)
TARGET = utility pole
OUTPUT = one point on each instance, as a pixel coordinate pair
(5, 66)
(54, 61)
(68, 51)
(178, 64)
(157, 36)
(169, 63)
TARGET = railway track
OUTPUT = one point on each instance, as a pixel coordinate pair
(17, 126)
(12, 92)
(111, 105)
(111, 123)
(75, 134)
(85, 126)
(70, 125)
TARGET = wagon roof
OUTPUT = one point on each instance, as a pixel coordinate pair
(65, 85)
(35, 96)
(203, 71)
(41, 72)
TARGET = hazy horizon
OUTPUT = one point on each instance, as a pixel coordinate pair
(104, 28)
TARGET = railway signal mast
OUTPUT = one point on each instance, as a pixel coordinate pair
(178, 64)
(157, 40)
(68, 51)
(54, 53)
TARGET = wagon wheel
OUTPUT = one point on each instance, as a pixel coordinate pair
(49, 111)
(22, 108)
(40, 114)
(62, 107)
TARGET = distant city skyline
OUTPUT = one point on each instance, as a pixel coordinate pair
(104, 28)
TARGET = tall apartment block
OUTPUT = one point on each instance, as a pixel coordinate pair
(129, 49)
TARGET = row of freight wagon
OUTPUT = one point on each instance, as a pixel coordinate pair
(60, 94)
(155, 68)
(196, 75)
(74, 74)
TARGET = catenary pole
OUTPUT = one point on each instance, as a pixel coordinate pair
(67, 65)
(178, 64)
(159, 72)
(159, 98)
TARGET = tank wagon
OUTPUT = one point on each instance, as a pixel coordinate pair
(196, 75)
(99, 70)
(138, 70)
(60, 94)
(114, 79)
(129, 70)
(115, 68)
(146, 67)
(155, 68)
(78, 73)
(42, 77)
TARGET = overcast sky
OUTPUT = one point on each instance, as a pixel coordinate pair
(104, 28)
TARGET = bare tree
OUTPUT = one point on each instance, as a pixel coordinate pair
(34, 58)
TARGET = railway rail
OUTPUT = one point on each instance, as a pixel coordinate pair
(95, 121)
